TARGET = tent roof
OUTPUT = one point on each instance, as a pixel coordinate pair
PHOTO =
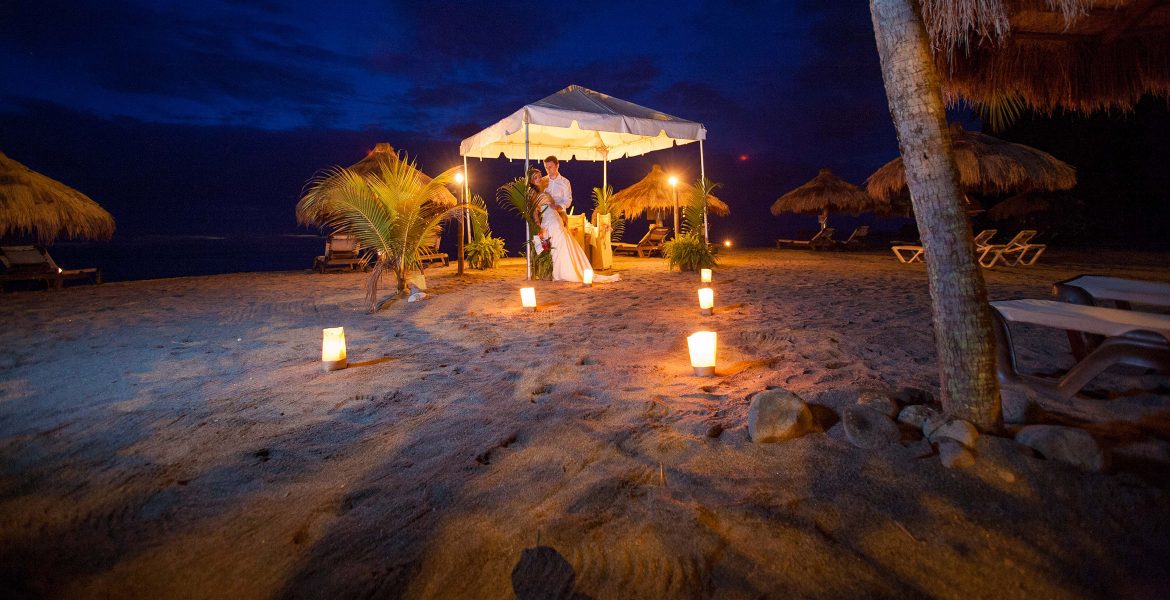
(579, 123)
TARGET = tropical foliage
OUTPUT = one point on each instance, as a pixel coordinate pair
(603, 205)
(387, 210)
(514, 196)
(689, 251)
(484, 250)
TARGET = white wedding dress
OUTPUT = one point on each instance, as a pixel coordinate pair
(568, 257)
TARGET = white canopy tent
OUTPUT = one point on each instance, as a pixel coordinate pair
(581, 124)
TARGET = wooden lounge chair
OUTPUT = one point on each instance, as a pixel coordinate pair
(33, 263)
(1129, 338)
(430, 252)
(649, 244)
(1019, 251)
(823, 239)
(1098, 290)
(341, 252)
(856, 240)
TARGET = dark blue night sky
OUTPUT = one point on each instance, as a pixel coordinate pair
(209, 117)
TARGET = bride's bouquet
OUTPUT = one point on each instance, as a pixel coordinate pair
(542, 262)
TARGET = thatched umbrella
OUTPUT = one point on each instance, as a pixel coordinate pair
(384, 152)
(1080, 55)
(654, 193)
(32, 203)
(827, 193)
(987, 165)
(1020, 206)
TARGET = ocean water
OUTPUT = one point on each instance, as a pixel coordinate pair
(154, 257)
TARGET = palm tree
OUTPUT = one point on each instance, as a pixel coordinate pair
(388, 210)
(961, 316)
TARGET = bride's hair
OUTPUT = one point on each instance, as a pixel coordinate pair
(533, 186)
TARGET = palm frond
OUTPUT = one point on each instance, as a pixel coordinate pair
(514, 197)
(479, 219)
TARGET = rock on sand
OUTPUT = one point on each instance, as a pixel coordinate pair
(1066, 444)
(776, 415)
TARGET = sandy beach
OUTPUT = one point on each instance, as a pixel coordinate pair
(177, 438)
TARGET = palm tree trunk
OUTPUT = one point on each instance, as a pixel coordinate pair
(961, 316)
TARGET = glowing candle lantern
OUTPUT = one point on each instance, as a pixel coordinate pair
(528, 299)
(587, 277)
(705, 275)
(706, 300)
(726, 243)
(333, 349)
(702, 347)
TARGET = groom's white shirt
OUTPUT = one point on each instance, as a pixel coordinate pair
(560, 191)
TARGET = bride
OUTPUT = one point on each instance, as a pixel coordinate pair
(568, 258)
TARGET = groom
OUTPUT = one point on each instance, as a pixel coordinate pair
(558, 186)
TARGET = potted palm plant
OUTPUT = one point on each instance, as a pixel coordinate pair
(690, 251)
(484, 250)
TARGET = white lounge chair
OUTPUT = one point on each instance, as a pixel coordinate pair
(1129, 337)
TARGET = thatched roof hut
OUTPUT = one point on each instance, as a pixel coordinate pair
(1079, 55)
(824, 194)
(654, 193)
(987, 165)
(31, 203)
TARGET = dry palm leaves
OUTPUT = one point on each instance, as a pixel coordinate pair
(31, 203)
(987, 165)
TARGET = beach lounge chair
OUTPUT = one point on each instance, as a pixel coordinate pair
(649, 244)
(341, 252)
(1019, 251)
(856, 240)
(983, 238)
(1098, 290)
(1129, 337)
(908, 253)
(33, 263)
(823, 239)
(430, 251)
(1092, 290)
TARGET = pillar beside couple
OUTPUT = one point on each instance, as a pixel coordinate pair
(552, 196)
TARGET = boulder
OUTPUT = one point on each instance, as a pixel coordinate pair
(955, 455)
(869, 429)
(878, 401)
(1065, 444)
(916, 415)
(955, 429)
(777, 415)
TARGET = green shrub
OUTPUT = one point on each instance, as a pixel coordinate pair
(688, 252)
(485, 252)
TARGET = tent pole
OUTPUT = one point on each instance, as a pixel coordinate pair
(703, 182)
(605, 173)
(466, 199)
(527, 231)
